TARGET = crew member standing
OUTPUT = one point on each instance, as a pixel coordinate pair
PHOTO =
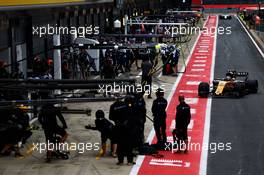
(146, 79)
(175, 60)
(108, 71)
(117, 112)
(183, 117)
(122, 113)
(141, 117)
(159, 112)
(83, 63)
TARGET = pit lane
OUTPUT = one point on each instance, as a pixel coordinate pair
(238, 121)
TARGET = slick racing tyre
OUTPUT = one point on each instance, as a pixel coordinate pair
(203, 89)
(240, 89)
(252, 86)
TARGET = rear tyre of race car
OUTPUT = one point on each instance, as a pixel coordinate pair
(203, 89)
(240, 89)
(252, 86)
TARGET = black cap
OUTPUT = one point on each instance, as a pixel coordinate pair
(99, 114)
(160, 92)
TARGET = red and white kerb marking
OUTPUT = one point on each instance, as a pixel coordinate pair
(200, 67)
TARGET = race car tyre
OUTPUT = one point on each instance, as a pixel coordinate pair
(240, 89)
(203, 89)
(252, 86)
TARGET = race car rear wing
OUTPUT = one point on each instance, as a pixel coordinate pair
(241, 74)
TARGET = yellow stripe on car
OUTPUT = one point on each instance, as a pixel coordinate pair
(220, 87)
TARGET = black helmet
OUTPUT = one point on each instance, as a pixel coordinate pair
(99, 114)
(160, 92)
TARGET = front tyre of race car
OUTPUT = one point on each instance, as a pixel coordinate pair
(252, 86)
(203, 89)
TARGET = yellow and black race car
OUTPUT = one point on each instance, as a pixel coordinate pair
(229, 86)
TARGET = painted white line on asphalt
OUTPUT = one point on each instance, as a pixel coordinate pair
(200, 61)
(136, 167)
(201, 54)
(254, 42)
(193, 82)
(202, 51)
(190, 126)
(192, 101)
(199, 65)
(204, 154)
(193, 111)
(201, 57)
(165, 164)
(172, 126)
(197, 70)
(188, 91)
(204, 44)
(192, 75)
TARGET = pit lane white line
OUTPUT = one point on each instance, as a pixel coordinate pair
(254, 42)
(200, 61)
(193, 111)
(188, 91)
(193, 75)
(204, 154)
(197, 70)
(201, 57)
(202, 51)
(199, 65)
(193, 83)
(192, 101)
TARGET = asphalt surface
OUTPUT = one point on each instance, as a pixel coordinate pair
(238, 121)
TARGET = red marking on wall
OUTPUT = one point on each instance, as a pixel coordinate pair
(197, 2)
(224, 6)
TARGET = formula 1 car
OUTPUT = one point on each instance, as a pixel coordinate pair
(229, 86)
(225, 16)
